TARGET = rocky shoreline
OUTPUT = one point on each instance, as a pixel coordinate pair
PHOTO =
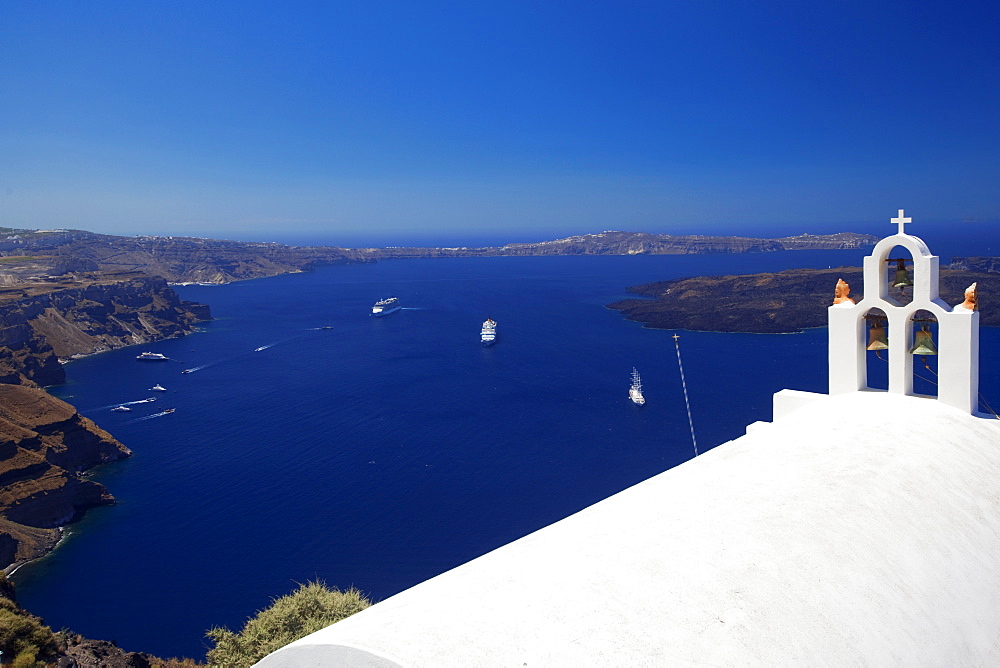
(51, 313)
(45, 444)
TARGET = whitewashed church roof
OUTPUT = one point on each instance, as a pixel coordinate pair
(862, 528)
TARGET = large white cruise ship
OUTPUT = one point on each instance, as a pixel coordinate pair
(489, 333)
(386, 306)
(635, 392)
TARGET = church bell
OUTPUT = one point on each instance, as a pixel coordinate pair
(902, 279)
(877, 339)
(923, 342)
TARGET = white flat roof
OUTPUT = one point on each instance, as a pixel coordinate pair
(860, 529)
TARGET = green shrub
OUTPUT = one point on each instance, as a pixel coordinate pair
(24, 637)
(309, 608)
(27, 658)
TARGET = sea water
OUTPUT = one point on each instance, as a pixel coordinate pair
(310, 440)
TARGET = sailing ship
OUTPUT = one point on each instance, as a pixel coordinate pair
(635, 392)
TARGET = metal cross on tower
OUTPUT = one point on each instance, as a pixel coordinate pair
(899, 220)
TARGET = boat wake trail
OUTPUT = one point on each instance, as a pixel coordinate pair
(127, 403)
(278, 343)
(154, 415)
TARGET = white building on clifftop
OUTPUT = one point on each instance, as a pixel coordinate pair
(861, 527)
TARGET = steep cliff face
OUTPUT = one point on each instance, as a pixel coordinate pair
(44, 445)
(44, 321)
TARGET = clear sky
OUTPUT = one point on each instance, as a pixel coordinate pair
(512, 119)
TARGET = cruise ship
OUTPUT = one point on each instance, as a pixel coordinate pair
(386, 306)
(635, 392)
(152, 357)
(489, 333)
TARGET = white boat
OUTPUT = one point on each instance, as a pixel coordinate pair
(121, 409)
(635, 392)
(158, 388)
(489, 332)
(152, 357)
(386, 306)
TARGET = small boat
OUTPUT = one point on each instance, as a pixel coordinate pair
(121, 409)
(158, 388)
(152, 357)
(489, 332)
(187, 370)
(635, 392)
(386, 306)
(168, 410)
(257, 350)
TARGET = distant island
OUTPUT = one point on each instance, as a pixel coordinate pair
(639, 243)
(782, 302)
(28, 254)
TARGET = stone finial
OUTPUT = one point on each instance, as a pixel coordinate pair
(841, 294)
(971, 302)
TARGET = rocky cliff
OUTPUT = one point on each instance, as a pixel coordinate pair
(44, 446)
(787, 301)
(45, 320)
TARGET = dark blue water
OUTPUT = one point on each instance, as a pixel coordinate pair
(381, 452)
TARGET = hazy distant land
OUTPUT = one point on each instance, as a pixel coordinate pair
(33, 254)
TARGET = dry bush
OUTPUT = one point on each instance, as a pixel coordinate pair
(309, 608)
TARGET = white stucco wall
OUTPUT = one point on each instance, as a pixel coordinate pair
(861, 529)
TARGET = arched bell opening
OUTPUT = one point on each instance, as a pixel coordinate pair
(876, 342)
(899, 270)
(924, 329)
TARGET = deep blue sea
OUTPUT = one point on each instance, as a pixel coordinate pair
(382, 451)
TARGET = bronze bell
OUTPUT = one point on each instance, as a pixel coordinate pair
(923, 343)
(902, 279)
(877, 340)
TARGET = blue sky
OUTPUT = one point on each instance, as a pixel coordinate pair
(515, 120)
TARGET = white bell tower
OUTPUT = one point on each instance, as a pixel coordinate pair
(958, 328)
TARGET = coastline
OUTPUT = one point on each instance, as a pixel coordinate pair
(10, 570)
(783, 302)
